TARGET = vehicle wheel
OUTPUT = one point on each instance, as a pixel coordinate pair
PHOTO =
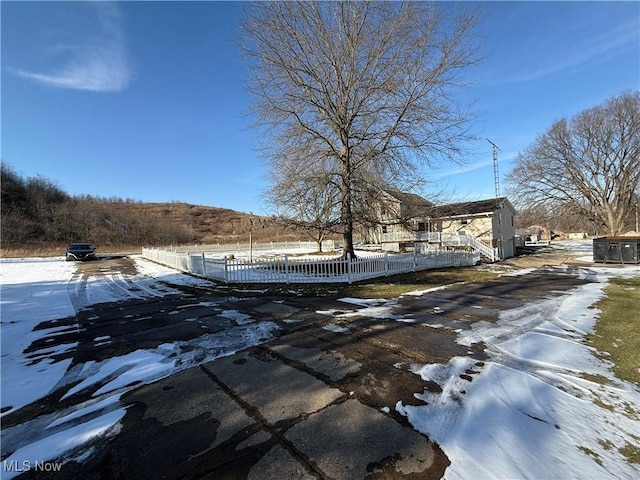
(68, 258)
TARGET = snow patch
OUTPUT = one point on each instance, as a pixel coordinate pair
(334, 327)
(525, 408)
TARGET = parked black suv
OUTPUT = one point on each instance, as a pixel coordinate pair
(80, 251)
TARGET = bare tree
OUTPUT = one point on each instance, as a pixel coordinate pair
(362, 91)
(306, 201)
(589, 163)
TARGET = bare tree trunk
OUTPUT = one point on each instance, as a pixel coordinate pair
(347, 222)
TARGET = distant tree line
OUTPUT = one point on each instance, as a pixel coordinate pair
(561, 218)
(37, 211)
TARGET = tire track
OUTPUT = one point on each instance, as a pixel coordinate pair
(77, 291)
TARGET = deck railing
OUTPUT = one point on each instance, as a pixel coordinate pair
(449, 239)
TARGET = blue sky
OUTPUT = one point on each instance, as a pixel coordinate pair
(146, 100)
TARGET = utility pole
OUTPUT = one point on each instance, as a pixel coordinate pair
(251, 240)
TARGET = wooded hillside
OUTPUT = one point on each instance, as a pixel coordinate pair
(36, 212)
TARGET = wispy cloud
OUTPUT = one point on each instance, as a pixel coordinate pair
(97, 60)
(573, 36)
(464, 169)
(597, 47)
(504, 157)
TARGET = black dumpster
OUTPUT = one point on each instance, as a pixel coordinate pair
(616, 249)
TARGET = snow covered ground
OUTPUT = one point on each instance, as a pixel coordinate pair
(36, 291)
(582, 249)
(533, 410)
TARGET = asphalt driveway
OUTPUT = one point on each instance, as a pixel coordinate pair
(316, 401)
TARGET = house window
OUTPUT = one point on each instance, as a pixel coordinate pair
(384, 229)
(464, 221)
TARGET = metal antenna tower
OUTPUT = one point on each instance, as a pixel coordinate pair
(500, 239)
(495, 167)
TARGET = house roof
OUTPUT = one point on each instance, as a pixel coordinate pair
(469, 208)
(423, 207)
(409, 198)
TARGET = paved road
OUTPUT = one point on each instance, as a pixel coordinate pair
(316, 402)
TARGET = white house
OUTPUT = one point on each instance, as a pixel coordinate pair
(491, 221)
(398, 214)
(485, 225)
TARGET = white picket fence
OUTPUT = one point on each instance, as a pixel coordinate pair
(307, 270)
